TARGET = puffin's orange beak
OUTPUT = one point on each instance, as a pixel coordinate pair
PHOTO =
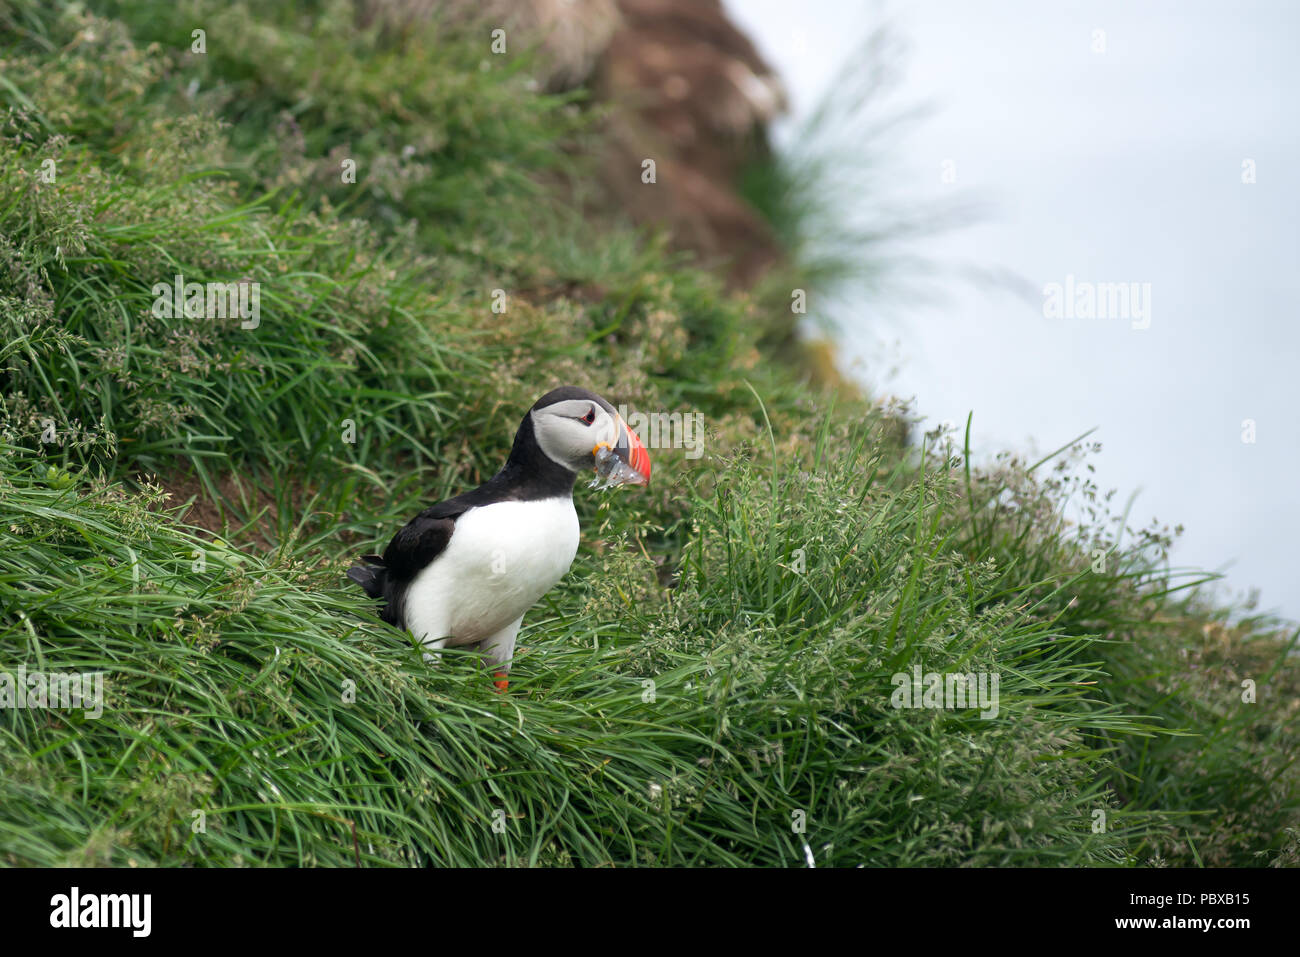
(631, 451)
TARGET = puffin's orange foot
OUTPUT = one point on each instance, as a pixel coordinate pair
(501, 681)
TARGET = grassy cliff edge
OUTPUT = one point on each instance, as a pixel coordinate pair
(714, 681)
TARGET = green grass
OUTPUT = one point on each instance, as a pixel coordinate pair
(225, 694)
(716, 667)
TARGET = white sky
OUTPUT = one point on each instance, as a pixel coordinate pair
(1116, 167)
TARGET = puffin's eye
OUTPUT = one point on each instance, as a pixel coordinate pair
(590, 417)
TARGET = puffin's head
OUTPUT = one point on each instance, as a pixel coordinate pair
(572, 424)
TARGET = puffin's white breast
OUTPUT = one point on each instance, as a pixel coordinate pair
(501, 559)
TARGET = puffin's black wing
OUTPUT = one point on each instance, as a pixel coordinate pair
(419, 542)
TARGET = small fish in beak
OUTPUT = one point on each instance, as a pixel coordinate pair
(612, 470)
(628, 463)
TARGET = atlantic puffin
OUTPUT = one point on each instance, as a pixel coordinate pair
(465, 571)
